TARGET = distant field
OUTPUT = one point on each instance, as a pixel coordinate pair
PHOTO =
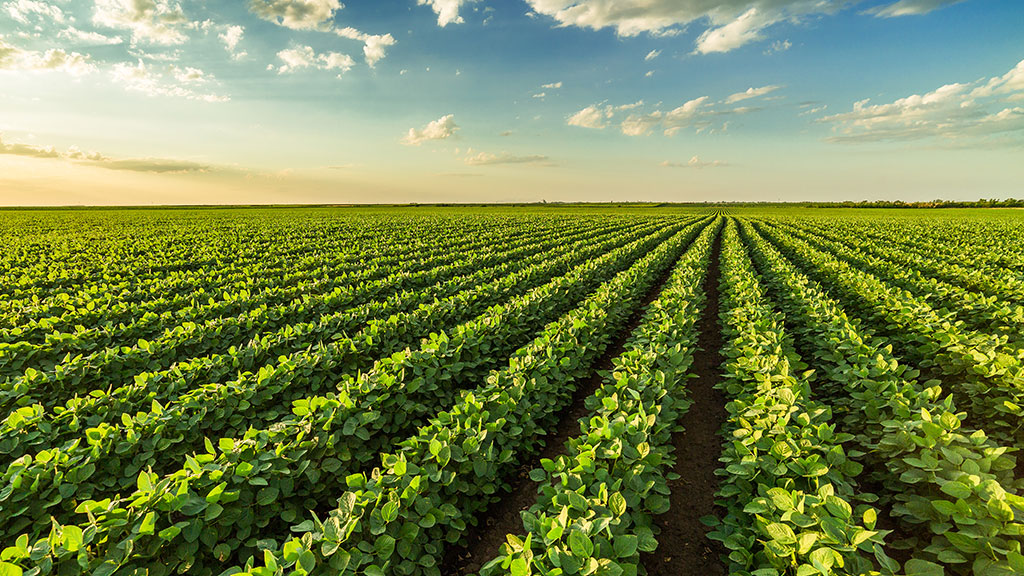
(512, 390)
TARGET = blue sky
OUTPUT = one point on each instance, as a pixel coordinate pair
(180, 101)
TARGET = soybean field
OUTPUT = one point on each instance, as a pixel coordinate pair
(512, 391)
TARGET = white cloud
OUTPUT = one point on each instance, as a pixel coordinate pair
(591, 117)
(700, 114)
(89, 38)
(150, 21)
(751, 93)
(910, 7)
(487, 159)
(540, 95)
(695, 162)
(79, 156)
(744, 29)
(17, 149)
(652, 55)
(967, 113)
(552, 86)
(231, 36)
(25, 10)
(297, 14)
(55, 59)
(165, 81)
(440, 129)
(189, 75)
(305, 57)
(447, 10)
(728, 24)
(778, 46)
(374, 45)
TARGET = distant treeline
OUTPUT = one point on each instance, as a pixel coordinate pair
(983, 203)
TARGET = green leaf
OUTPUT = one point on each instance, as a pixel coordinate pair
(72, 538)
(267, 495)
(384, 546)
(957, 489)
(520, 567)
(390, 511)
(781, 533)
(214, 496)
(625, 545)
(148, 525)
(580, 544)
(915, 567)
(617, 504)
(307, 561)
(8, 569)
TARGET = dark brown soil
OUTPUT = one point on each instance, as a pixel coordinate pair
(503, 517)
(683, 546)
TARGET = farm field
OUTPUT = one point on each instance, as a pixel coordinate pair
(512, 390)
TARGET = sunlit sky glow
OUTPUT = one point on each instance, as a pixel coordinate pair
(297, 101)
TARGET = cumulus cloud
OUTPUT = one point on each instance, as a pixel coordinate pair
(374, 45)
(88, 38)
(652, 55)
(694, 162)
(297, 14)
(910, 7)
(440, 129)
(54, 59)
(305, 57)
(963, 112)
(487, 159)
(231, 36)
(552, 86)
(149, 21)
(447, 10)
(592, 116)
(751, 93)
(164, 81)
(17, 149)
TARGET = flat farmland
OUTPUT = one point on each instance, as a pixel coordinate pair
(512, 390)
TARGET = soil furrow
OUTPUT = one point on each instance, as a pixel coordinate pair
(683, 546)
(504, 516)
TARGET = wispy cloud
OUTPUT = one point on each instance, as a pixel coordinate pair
(694, 162)
(751, 93)
(702, 114)
(910, 7)
(168, 81)
(77, 155)
(487, 159)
